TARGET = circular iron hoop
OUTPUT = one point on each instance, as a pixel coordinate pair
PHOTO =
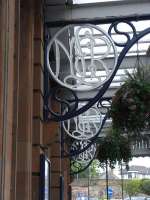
(84, 26)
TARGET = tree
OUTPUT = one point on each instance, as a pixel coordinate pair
(92, 171)
(132, 187)
(145, 186)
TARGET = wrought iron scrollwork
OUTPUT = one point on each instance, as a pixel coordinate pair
(77, 168)
(83, 160)
(60, 96)
(87, 155)
(104, 105)
(115, 27)
(101, 91)
(84, 126)
(81, 75)
(81, 69)
(80, 149)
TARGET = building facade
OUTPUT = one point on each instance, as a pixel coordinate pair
(24, 135)
(136, 172)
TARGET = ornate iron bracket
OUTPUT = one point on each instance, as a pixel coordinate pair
(67, 98)
(75, 110)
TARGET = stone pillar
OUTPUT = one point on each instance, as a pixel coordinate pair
(7, 24)
(25, 106)
(15, 100)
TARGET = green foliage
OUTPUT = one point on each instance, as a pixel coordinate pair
(113, 148)
(132, 187)
(145, 186)
(75, 166)
(91, 171)
(130, 108)
(84, 174)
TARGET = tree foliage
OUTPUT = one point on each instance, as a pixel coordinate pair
(132, 187)
(145, 186)
(92, 171)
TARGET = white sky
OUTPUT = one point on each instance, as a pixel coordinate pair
(141, 161)
(90, 1)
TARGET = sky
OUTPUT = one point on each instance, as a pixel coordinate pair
(91, 1)
(141, 161)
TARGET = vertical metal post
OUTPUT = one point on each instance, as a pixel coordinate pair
(46, 74)
(61, 194)
(122, 186)
(61, 136)
(107, 180)
(88, 183)
(61, 197)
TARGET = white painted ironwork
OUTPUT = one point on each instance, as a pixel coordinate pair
(87, 155)
(84, 126)
(87, 50)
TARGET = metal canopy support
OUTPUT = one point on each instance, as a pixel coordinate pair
(97, 11)
(75, 111)
(97, 20)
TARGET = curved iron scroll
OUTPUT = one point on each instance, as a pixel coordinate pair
(79, 61)
(60, 96)
(126, 46)
(69, 101)
(79, 150)
(77, 168)
(122, 33)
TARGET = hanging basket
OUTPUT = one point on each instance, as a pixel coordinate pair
(130, 109)
(112, 149)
